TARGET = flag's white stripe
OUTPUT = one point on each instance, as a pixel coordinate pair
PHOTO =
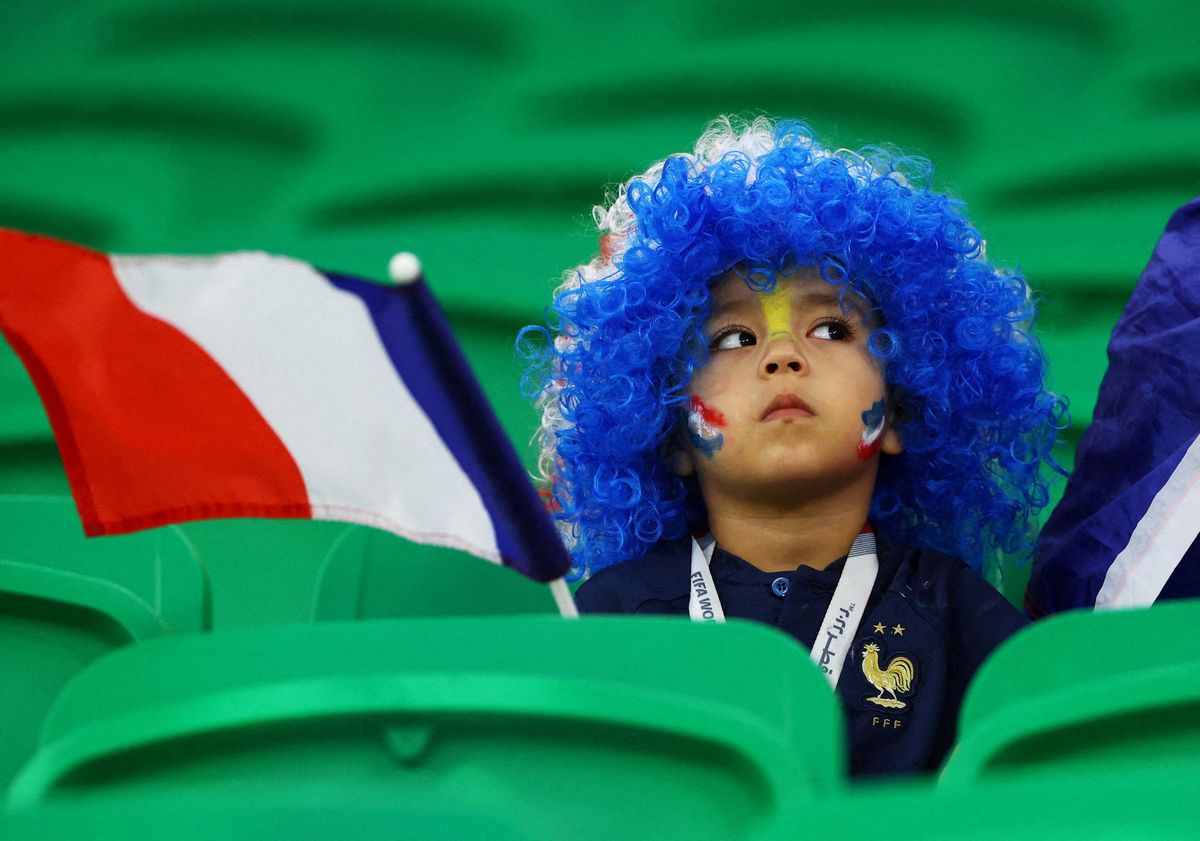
(1159, 540)
(309, 358)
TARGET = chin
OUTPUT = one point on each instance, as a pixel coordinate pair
(791, 473)
(786, 480)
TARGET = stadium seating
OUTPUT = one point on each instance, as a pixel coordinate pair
(261, 571)
(1086, 693)
(544, 722)
(65, 600)
(1148, 806)
(479, 135)
(1154, 805)
(183, 817)
(369, 574)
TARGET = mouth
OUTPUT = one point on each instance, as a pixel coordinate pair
(787, 406)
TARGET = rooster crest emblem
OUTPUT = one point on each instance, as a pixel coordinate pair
(897, 676)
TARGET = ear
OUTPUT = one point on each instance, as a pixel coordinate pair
(891, 442)
(679, 458)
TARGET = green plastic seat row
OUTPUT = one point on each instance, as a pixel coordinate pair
(151, 583)
(721, 729)
(370, 574)
(1153, 804)
(1148, 805)
(175, 816)
(66, 600)
(1082, 692)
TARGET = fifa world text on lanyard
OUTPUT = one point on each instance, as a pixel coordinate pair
(841, 619)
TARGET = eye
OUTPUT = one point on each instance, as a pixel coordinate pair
(732, 338)
(833, 330)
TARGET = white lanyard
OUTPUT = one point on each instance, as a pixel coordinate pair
(841, 619)
(704, 605)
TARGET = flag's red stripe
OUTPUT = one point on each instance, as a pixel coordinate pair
(151, 429)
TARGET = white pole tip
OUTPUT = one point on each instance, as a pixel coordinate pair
(404, 267)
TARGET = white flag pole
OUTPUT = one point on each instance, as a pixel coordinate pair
(562, 598)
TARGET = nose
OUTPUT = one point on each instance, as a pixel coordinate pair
(781, 357)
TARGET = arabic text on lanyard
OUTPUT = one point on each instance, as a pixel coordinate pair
(841, 619)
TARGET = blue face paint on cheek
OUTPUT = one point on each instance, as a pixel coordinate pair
(872, 420)
(706, 445)
(704, 428)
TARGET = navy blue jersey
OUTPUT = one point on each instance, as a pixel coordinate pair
(928, 608)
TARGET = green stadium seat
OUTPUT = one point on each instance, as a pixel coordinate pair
(1086, 693)
(180, 817)
(1150, 806)
(568, 728)
(66, 600)
(261, 571)
(1154, 805)
(370, 574)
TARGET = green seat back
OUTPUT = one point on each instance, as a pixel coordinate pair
(1108, 692)
(66, 599)
(262, 571)
(370, 574)
(1072, 808)
(187, 817)
(601, 727)
(1150, 805)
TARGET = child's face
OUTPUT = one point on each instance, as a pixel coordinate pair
(790, 395)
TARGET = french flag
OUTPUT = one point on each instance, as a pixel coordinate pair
(252, 385)
(1127, 531)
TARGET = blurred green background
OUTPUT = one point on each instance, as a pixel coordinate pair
(479, 135)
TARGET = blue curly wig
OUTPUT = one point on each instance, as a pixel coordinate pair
(964, 374)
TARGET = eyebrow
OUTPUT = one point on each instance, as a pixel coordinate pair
(818, 298)
(822, 298)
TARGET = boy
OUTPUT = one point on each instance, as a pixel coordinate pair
(802, 358)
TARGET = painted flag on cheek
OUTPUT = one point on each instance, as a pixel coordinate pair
(247, 384)
(1125, 533)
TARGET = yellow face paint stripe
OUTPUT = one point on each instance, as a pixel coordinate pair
(777, 307)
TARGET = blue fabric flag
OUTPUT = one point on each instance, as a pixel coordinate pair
(1124, 534)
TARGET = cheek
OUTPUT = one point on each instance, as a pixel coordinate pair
(705, 424)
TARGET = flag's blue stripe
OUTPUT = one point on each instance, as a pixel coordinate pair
(427, 358)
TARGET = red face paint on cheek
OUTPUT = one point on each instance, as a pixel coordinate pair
(710, 415)
(704, 426)
(865, 450)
